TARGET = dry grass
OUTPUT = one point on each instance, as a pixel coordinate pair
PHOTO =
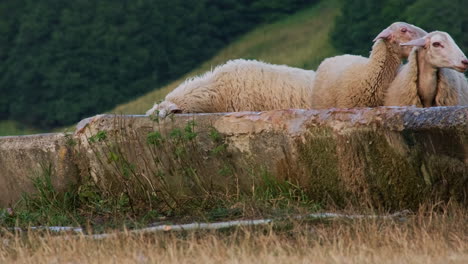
(425, 237)
(301, 40)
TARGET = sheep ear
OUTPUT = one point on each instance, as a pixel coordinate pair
(417, 42)
(173, 108)
(385, 34)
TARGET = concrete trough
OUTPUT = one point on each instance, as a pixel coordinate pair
(23, 158)
(390, 157)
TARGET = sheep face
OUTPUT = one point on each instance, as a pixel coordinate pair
(401, 32)
(441, 51)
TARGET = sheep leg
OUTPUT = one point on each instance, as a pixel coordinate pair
(164, 109)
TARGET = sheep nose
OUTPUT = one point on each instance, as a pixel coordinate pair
(465, 62)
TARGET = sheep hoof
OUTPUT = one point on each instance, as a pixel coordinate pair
(164, 109)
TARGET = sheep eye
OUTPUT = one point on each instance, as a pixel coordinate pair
(404, 30)
(436, 44)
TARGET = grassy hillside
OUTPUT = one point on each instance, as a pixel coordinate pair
(301, 40)
(11, 128)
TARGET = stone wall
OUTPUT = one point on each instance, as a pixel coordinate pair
(24, 158)
(389, 157)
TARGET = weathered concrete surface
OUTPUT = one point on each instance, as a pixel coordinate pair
(390, 157)
(25, 157)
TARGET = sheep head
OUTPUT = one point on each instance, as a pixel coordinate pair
(401, 32)
(441, 51)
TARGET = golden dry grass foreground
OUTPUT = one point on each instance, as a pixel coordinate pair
(424, 237)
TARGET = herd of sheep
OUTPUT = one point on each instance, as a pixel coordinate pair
(433, 76)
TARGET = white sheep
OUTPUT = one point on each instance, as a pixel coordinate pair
(240, 85)
(355, 81)
(430, 77)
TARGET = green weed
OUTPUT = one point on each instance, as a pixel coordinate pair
(46, 205)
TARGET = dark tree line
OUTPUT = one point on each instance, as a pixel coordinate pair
(61, 61)
(362, 20)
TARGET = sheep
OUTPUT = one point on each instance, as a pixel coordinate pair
(240, 85)
(354, 81)
(433, 75)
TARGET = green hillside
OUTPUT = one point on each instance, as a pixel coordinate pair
(300, 40)
(10, 128)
